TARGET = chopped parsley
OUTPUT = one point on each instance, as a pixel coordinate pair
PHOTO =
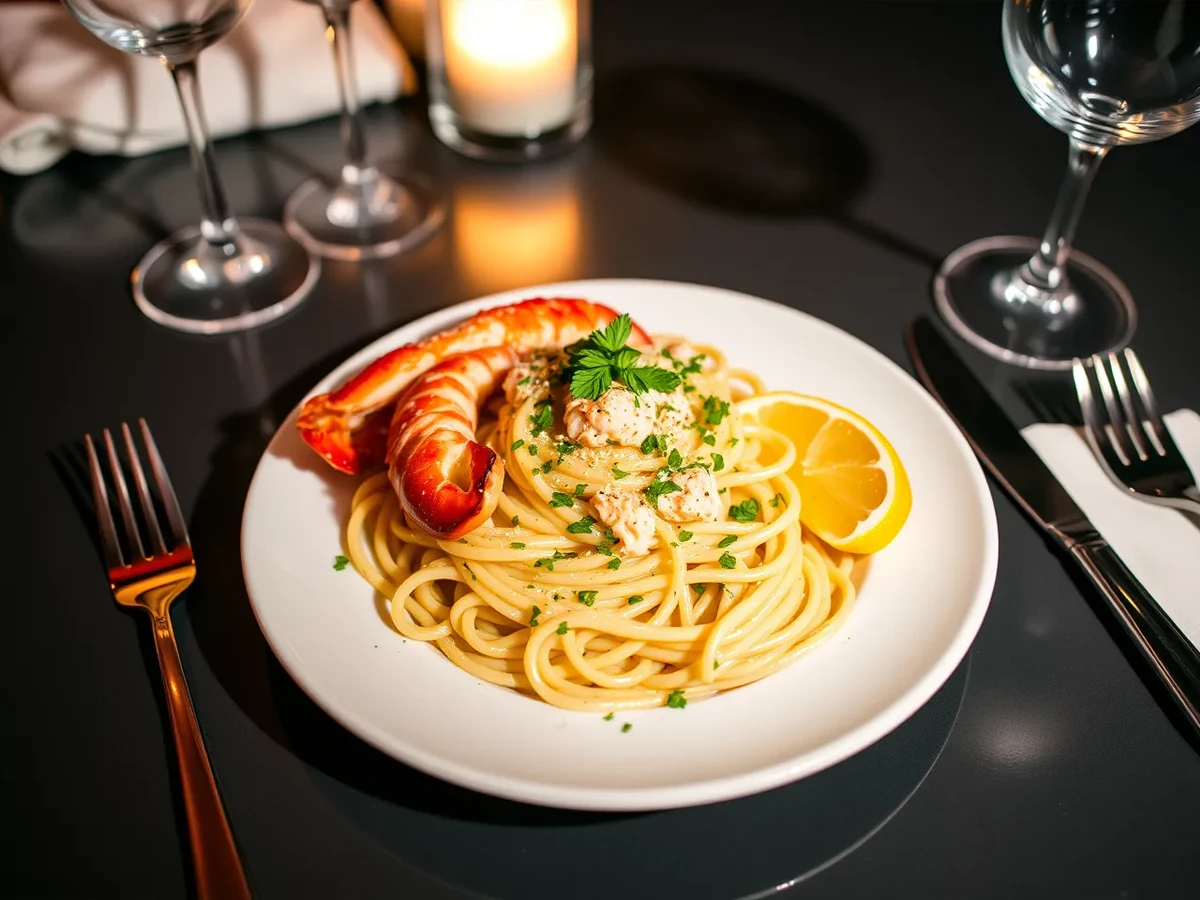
(605, 546)
(533, 450)
(537, 611)
(609, 717)
(516, 521)
(547, 466)
(674, 461)
(626, 727)
(654, 442)
(601, 358)
(733, 442)
(618, 473)
(524, 381)
(562, 628)
(340, 562)
(746, 511)
(727, 560)
(636, 598)
(710, 439)
(566, 448)
(658, 489)
(715, 410)
(614, 563)
(688, 388)
(582, 526)
(777, 499)
(727, 540)
(579, 489)
(676, 700)
(699, 589)
(559, 499)
(541, 420)
(517, 545)
(587, 598)
(718, 462)
(685, 536)
(518, 444)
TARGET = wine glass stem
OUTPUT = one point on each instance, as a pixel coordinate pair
(338, 18)
(216, 224)
(1046, 269)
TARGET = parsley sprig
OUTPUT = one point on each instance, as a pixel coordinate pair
(601, 358)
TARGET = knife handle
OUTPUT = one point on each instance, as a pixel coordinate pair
(1164, 646)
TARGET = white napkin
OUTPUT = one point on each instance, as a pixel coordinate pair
(61, 88)
(1161, 546)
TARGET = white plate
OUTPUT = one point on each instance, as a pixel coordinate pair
(920, 607)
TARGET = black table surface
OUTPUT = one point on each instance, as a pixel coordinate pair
(824, 156)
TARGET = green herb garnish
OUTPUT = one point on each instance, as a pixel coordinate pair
(727, 540)
(517, 545)
(601, 358)
(746, 511)
(614, 563)
(685, 536)
(541, 420)
(617, 472)
(676, 700)
(658, 489)
(340, 562)
(559, 499)
(727, 560)
(626, 727)
(562, 628)
(718, 462)
(636, 598)
(582, 526)
(587, 598)
(518, 444)
(537, 611)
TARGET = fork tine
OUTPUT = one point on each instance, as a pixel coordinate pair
(1159, 436)
(143, 491)
(1116, 422)
(131, 529)
(165, 490)
(1133, 422)
(109, 543)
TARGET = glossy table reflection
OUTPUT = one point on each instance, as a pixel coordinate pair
(825, 157)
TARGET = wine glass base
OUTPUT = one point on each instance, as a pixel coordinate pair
(380, 217)
(188, 284)
(969, 291)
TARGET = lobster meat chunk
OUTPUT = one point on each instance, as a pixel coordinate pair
(348, 427)
(448, 484)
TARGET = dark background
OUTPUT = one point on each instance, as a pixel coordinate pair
(824, 156)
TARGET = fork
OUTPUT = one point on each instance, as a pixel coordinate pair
(150, 581)
(1133, 445)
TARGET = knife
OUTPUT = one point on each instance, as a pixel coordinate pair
(1021, 472)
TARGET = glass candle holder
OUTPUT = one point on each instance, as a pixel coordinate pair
(509, 80)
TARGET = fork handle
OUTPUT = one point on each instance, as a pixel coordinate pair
(219, 874)
(1174, 657)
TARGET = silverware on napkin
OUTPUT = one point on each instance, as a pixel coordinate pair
(1021, 472)
(1127, 434)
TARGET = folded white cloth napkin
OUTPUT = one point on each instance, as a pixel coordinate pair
(61, 88)
(1161, 546)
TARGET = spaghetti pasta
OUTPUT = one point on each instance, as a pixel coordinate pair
(543, 599)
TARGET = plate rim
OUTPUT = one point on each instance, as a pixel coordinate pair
(643, 798)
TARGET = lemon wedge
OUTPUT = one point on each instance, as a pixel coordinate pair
(854, 491)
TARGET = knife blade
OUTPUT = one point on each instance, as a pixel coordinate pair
(1015, 466)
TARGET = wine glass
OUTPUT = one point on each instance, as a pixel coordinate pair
(366, 214)
(1106, 73)
(226, 274)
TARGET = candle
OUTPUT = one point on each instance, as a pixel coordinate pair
(510, 64)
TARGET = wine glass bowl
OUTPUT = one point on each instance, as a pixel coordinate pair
(1105, 73)
(225, 274)
(172, 30)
